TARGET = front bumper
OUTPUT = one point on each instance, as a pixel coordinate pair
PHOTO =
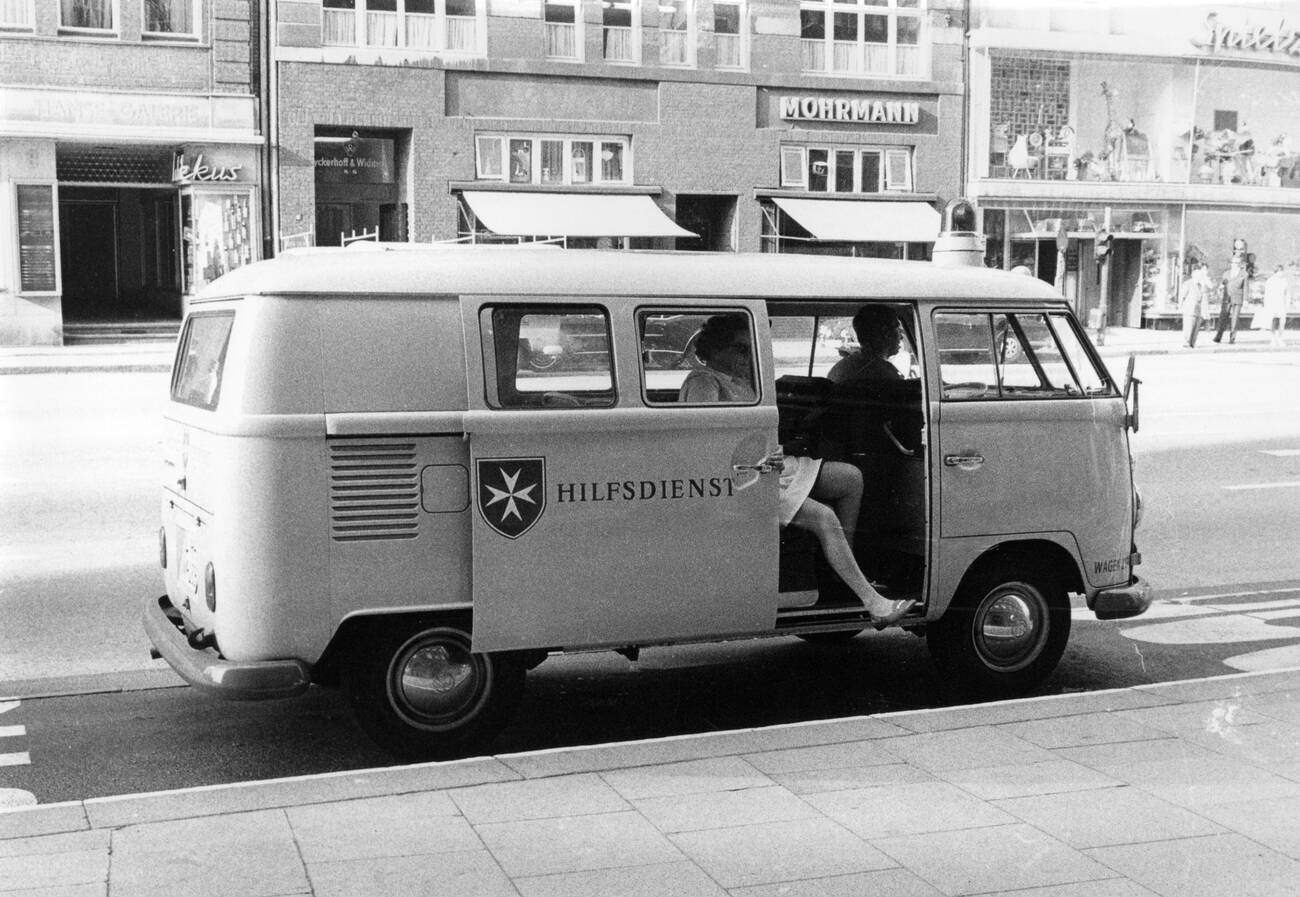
(203, 669)
(1121, 602)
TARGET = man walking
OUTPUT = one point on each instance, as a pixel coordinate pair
(1233, 295)
(1194, 301)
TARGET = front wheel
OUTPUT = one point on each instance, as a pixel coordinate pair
(1004, 632)
(419, 692)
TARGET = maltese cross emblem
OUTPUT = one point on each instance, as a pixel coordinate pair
(511, 493)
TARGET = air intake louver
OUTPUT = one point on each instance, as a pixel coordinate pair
(374, 491)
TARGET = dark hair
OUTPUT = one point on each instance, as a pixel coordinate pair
(717, 333)
(872, 321)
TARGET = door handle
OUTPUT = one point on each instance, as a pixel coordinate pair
(769, 464)
(965, 462)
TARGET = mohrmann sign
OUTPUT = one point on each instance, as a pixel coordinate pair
(876, 112)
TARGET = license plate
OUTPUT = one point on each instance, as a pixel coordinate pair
(189, 575)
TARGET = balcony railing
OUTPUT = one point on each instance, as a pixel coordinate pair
(561, 40)
(673, 47)
(16, 13)
(618, 44)
(340, 28)
(729, 51)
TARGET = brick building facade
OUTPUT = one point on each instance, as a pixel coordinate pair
(129, 158)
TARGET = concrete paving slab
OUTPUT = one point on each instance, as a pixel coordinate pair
(1110, 887)
(565, 761)
(1282, 708)
(723, 809)
(1076, 731)
(1239, 685)
(381, 827)
(73, 867)
(1210, 866)
(1205, 782)
(824, 756)
(883, 883)
(472, 872)
(1023, 779)
(97, 889)
(891, 810)
(1104, 757)
(576, 844)
(1272, 822)
(995, 860)
(574, 795)
(1020, 710)
(1108, 816)
(682, 879)
(690, 777)
(814, 781)
(779, 851)
(965, 749)
(197, 858)
(51, 845)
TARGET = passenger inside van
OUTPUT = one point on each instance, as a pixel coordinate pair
(880, 337)
(822, 497)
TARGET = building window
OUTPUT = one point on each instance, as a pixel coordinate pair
(864, 37)
(454, 26)
(730, 34)
(552, 160)
(170, 18)
(88, 15)
(621, 20)
(563, 29)
(677, 32)
(17, 14)
(846, 169)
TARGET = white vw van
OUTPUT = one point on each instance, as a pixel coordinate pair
(415, 473)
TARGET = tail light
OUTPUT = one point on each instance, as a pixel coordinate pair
(162, 547)
(210, 587)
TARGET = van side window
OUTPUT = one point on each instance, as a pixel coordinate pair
(201, 359)
(548, 356)
(672, 371)
(1013, 356)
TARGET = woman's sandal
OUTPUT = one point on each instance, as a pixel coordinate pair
(897, 610)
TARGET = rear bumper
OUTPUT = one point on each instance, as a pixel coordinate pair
(203, 669)
(1122, 601)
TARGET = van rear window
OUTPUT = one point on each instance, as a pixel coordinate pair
(200, 359)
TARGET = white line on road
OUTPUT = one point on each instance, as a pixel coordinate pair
(1292, 484)
(6, 706)
(12, 731)
(1281, 453)
(18, 758)
(1214, 597)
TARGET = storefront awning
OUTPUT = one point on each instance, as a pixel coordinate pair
(864, 221)
(571, 215)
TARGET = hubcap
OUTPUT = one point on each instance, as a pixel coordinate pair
(435, 681)
(1010, 627)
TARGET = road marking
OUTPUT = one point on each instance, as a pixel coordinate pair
(12, 731)
(18, 758)
(1294, 590)
(16, 797)
(1281, 453)
(1291, 484)
(6, 706)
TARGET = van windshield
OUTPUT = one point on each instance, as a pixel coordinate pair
(201, 358)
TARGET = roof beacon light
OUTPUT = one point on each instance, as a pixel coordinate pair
(959, 242)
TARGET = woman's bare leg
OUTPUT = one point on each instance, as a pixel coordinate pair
(840, 486)
(825, 524)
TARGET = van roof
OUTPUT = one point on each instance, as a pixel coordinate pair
(548, 271)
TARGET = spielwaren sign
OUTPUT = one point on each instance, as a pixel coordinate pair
(1280, 38)
(869, 111)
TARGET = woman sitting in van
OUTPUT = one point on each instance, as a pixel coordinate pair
(823, 497)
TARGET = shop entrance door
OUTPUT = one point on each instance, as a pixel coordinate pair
(88, 247)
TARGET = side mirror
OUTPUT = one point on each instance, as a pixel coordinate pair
(1131, 385)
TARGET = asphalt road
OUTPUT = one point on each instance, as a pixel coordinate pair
(1218, 459)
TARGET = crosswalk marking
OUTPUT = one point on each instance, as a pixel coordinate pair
(1281, 453)
(1291, 484)
(17, 758)
(12, 731)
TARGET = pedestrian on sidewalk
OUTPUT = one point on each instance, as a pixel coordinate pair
(1277, 296)
(1232, 296)
(1194, 301)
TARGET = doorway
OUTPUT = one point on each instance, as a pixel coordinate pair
(712, 218)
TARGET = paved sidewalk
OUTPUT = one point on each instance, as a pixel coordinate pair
(1184, 789)
(157, 356)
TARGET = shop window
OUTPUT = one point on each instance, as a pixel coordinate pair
(730, 35)
(864, 37)
(551, 160)
(88, 15)
(435, 25)
(621, 24)
(17, 14)
(218, 229)
(547, 357)
(677, 32)
(171, 18)
(835, 170)
(563, 29)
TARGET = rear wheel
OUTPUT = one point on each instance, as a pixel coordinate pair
(419, 692)
(1005, 630)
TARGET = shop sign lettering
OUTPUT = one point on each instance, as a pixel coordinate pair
(1281, 38)
(876, 112)
(186, 172)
